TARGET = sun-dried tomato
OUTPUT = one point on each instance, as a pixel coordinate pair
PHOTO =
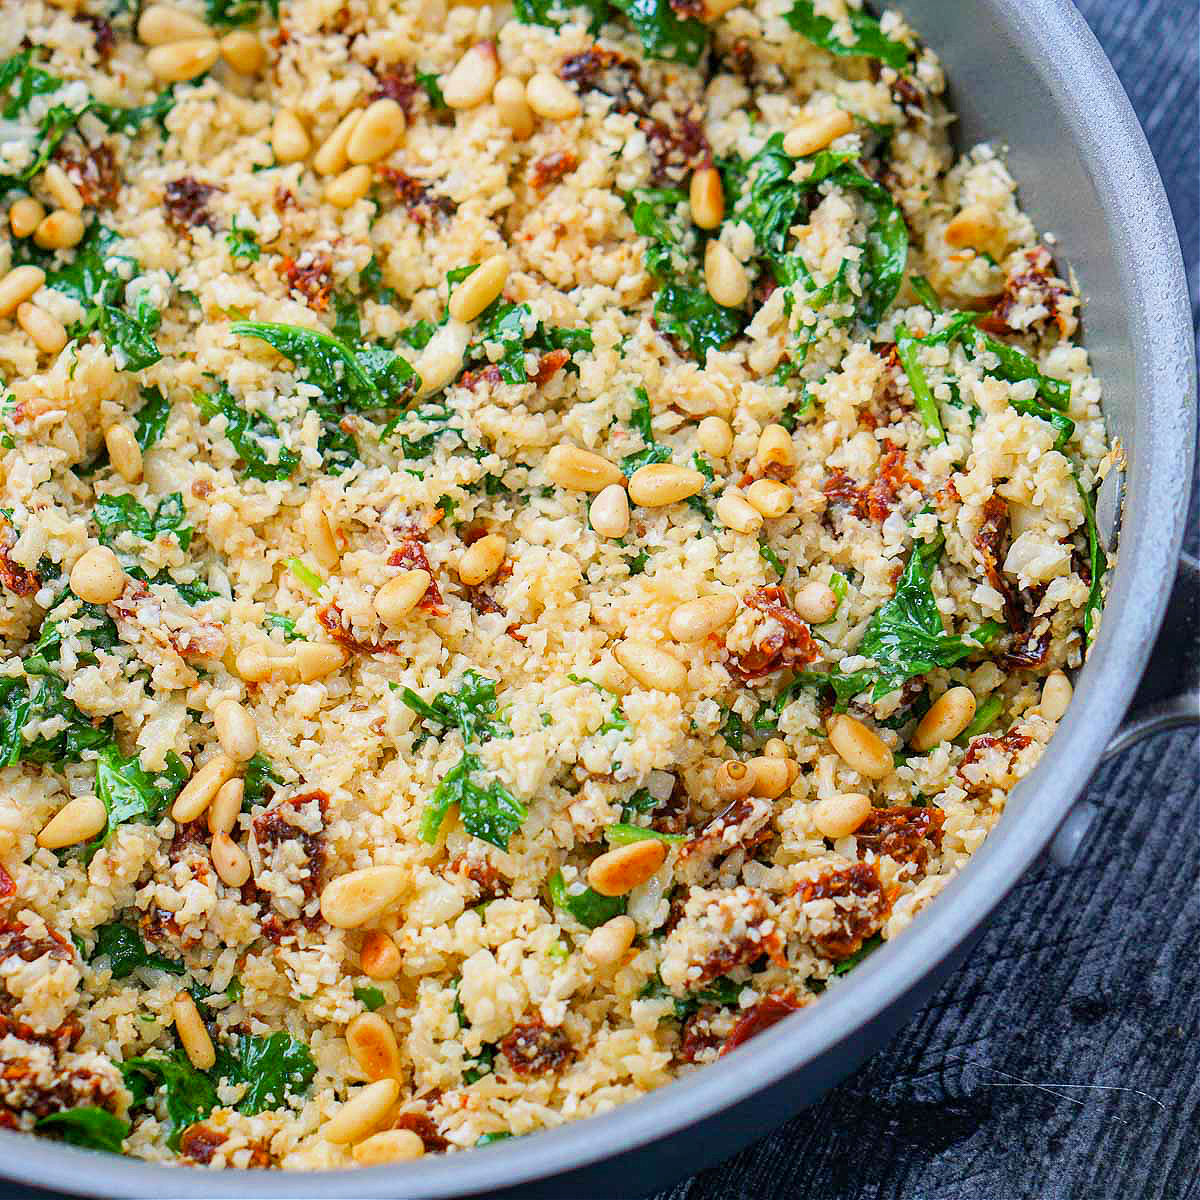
(696, 1036)
(550, 168)
(790, 646)
(533, 1049)
(94, 172)
(890, 476)
(770, 1010)
(424, 1127)
(272, 830)
(425, 206)
(18, 579)
(549, 365)
(905, 833)
(313, 280)
(1010, 743)
(200, 1143)
(1040, 287)
(186, 202)
(411, 556)
(332, 620)
(852, 923)
(840, 489)
(1031, 653)
(399, 84)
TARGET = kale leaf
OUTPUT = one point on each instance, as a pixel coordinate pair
(469, 708)
(587, 906)
(47, 701)
(248, 432)
(116, 514)
(190, 1094)
(131, 794)
(151, 417)
(286, 625)
(236, 12)
(869, 38)
(1097, 564)
(491, 813)
(664, 34)
(553, 12)
(513, 327)
(926, 405)
(88, 1126)
(274, 1067)
(127, 951)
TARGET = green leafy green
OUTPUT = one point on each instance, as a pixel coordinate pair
(306, 575)
(588, 907)
(985, 717)
(250, 434)
(623, 833)
(286, 625)
(274, 1067)
(96, 628)
(47, 701)
(868, 38)
(491, 813)
(127, 951)
(641, 801)
(640, 420)
(190, 1094)
(151, 417)
(924, 292)
(722, 992)
(618, 720)
(20, 81)
(906, 352)
(257, 781)
(236, 12)
(90, 1127)
(117, 514)
(489, 1139)
(470, 708)
(130, 120)
(553, 12)
(733, 730)
(1097, 564)
(131, 794)
(687, 312)
(768, 555)
(433, 89)
(664, 34)
(370, 997)
(514, 328)
(242, 243)
(852, 960)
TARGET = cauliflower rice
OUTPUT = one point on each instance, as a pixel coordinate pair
(487, 823)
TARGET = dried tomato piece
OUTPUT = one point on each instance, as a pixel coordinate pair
(791, 646)
(904, 833)
(770, 1010)
(411, 556)
(535, 1049)
(550, 168)
(853, 922)
(312, 279)
(186, 202)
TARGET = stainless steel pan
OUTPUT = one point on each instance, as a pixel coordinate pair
(1030, 75)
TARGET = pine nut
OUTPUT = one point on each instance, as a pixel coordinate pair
(660, 484)
(948, 716)
(362, 1113)
(775, 448)
(609, 512)
(732, 780)
(471, 81)
(623, 868)
(580, 470)
(59, 231)
(775, 748)
(253, 665)
(769, 497)
(480, 288)
(197, 1045)
(1056, 696)
(17, 286)
(318, 535)
(46, 331)
(62, 191)
(718, 8)
(97, 577)
(379, 956)
(839, 816)
(816, 133)
(707, 197)
(315, 660)
(289, 139)
(772, 776)
(78, 820)
(378, 132)
(860, 748)
(124, 453)
(694, 620)
(230, 861)
(738, 514)
(199, 791)
(724, 276)
(373, 1046)
(715, 436)
(549, 97)
(160, 24)
(25, 216)
(236, 730)
(178, 62)
(482, 559)
(607, 944)
(399, 596)
(349, 187)
(975, 226)
(360, 896)
(815, 602)
(330, 157)
(243, 52)
(390, 1146)
(227, 804)
(509, 98)
(441, 360)
(651, 667)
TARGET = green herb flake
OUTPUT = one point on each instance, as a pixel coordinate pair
(587, 906)
(370, 998)
(491, 813)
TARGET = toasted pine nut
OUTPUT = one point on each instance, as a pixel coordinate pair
(289, 139)
(724, 276)
(860, 748)
(18, 285)
(379, 131)
(479, 288)
(47, 332)
(253, 665)
(78, 820)
(62, 191)
(509, 98)
(815, 133)
(775, 748)
(362, 1113)
(738, 514)
(694, 620)
(471, 81)
(441, 360)
(236, 730)
(318, 534)
(330, 157)
(482, 559)
(379, 956)
(660, 484)
(609, 512)
(839, 816)
(124, 453)
(243, 52)
(623, 868)
(25, 216)
(651, 667)
(400, 595)
(581, 470)
(97, 577)
(388, 1146)
(160, 24)
(775, 448)
(197, 1045)
(230, 861)
(718, 8)
(715, 436)
(1056, 696)
(733, 780)
(549, 97)
(769, 497)
(360, 896)
(349, 187)
(949, 715)
(975, 226)
(315, 660)
(223, 811)
(772, 776)
(199, 791)
(815, 602)
(177, 62)
(607, 944)
(373, 1046)
(707, 197)
(59, 231)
